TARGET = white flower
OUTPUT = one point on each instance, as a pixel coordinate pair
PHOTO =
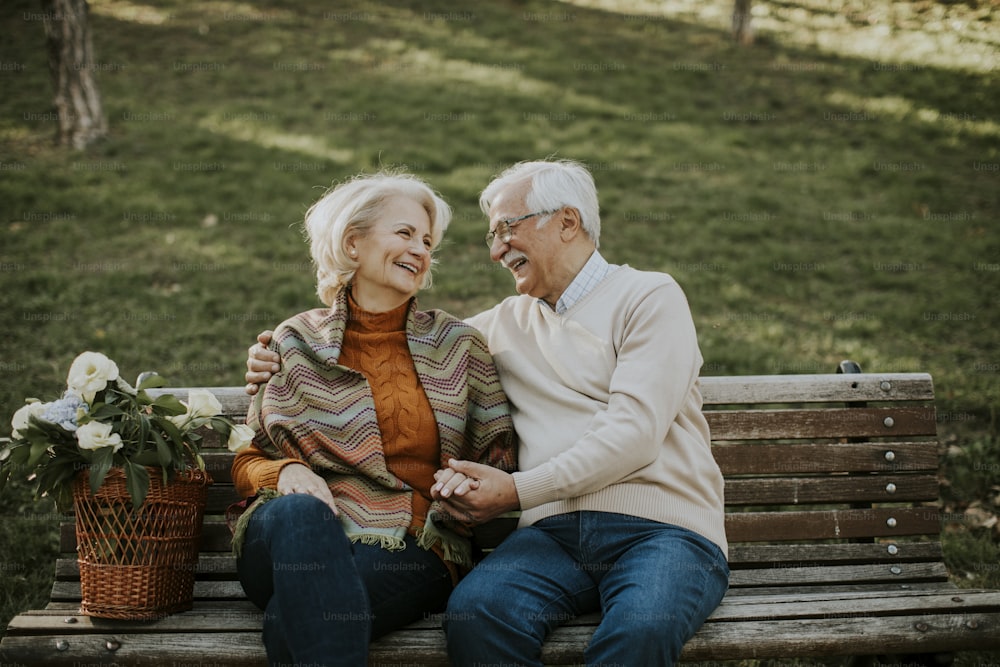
(20, 419)
(90, 373)
(240, 437)
(202, 403)
(94, 435)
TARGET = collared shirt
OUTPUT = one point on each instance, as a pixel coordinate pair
(590, 276)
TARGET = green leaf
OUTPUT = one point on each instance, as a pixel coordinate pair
(137, 483)
(15, 455)
(169, 404)
(38, 450)
(151, 381)
(222, 425)
(173, 432)
(105, 411)
(99, 467)
(164, 453)
(53, 477)
(143, 432)
(146, 458)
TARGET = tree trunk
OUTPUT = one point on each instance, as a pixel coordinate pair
(77, 100)
(742, 31)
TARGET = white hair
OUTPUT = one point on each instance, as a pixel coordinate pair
(553, 184)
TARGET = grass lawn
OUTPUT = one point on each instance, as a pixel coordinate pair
(830, 193)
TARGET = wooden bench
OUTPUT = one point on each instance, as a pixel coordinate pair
(831, 489)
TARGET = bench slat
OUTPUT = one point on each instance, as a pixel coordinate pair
(235, 401)
(715, 641)
(832, 524)
(812, 490)
(901, 421)
(215, 566)
(222, 584)
(69, 591)
(219, 465)
(781, 555)
(846, 574)
(819, 388)
(233, 649)
(749, 604)
(808, 638)
(799, 458)
(220, 497)
(209, 590)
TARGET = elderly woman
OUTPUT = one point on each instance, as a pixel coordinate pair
(343, 542)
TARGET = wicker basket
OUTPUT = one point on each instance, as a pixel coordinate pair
(139, 564)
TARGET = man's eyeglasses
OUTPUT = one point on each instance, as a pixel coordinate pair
(503, 228)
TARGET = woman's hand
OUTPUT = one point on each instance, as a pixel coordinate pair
(299, 478)
(474, 491)
(450, 482)
(261, 362)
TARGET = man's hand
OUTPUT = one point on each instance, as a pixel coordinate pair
(475, 492)
(261, 363)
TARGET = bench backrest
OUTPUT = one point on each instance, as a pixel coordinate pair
(830, 480)
(837, 474)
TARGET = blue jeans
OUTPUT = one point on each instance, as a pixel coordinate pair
(654, 583)
(325, 598)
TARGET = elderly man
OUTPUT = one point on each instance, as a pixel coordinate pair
(621, 500)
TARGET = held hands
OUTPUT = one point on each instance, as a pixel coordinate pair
(261, 363)
(474, 492)
(299, 478)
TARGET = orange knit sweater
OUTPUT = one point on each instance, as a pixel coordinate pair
(375, 345)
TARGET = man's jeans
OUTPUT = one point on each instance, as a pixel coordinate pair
(654, 583)
(323, 597)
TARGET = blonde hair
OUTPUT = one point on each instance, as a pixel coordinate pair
(352, 208)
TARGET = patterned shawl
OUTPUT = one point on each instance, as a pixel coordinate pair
(323, 414)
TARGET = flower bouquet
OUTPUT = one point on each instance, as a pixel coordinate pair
(131, 465)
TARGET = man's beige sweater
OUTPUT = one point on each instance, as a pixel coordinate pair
(606, 402)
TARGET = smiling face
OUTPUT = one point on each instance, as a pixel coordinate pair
(393, 256)
(537, 258)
